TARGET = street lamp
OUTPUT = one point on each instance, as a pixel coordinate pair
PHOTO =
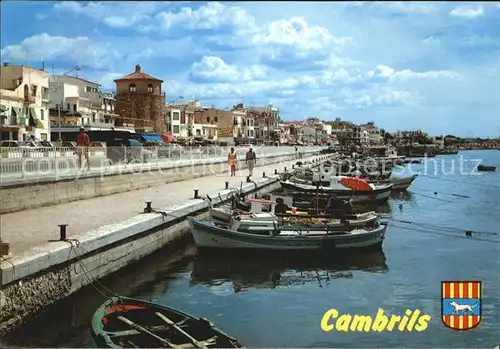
(175, 100)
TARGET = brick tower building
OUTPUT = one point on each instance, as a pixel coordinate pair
(140, 101)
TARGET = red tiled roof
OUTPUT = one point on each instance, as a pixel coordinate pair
(138, 75)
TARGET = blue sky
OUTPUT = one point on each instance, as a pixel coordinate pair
(404, 65)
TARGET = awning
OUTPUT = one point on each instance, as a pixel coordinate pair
(151, 137)
(168, 137)
(32, 117)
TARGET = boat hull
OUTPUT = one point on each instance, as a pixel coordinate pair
(398, 184)
(208, 236)
(358, 196)
(109, 330)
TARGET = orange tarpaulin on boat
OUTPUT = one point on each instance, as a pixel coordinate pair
(355, 184)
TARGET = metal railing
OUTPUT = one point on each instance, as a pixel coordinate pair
(19, 163)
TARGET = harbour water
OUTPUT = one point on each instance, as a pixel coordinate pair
(280, 303)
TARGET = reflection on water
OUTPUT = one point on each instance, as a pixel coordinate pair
(278, 302)
(282, 270)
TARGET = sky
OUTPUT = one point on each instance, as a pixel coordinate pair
(404, 65)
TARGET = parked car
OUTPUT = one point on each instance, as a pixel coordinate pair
(14, 144)
(129, 150)
(14, 149)
(170, 150)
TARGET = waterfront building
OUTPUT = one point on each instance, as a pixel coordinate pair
(140, 101)
(180, 121)
(76, 102)
(24, 103)
(266, 121)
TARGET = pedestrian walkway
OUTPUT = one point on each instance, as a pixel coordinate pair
(30, 228)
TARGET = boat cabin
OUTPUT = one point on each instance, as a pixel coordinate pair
(261, 205)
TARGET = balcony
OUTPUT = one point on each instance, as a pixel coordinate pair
(29, 99)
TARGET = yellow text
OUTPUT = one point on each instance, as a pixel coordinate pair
(410, 321)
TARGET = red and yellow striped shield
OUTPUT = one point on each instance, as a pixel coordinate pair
(461, 304)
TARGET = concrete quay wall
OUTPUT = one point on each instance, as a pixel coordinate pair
(48, 273)
(21, 195)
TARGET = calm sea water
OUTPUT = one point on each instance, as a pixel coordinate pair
(279, 303)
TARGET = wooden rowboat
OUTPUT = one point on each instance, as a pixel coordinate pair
(123, 322)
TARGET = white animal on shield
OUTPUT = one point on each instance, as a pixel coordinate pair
(466, 308)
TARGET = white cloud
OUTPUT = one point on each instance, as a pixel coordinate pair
(310, 58)
(406, 7)
(468, 12)
(80, 50)
(40, 16)
(387, 73)
(297, 33)
(214, 68)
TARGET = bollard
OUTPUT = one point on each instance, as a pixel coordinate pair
(148, 208)
(285, 169)
(62, 232)
(263, 174)
(227, 185)
(275, 171)
(196, 194)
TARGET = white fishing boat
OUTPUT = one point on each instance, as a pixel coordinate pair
(341, 187)
(208, 234)
(261, 214)
(399, 184)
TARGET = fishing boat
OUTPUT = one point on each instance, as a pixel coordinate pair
(262, 214)
(425, 155)
(345, 187)
(123, 322)
(485, 168)
(447, 152)
(399, 184)
(210, 235)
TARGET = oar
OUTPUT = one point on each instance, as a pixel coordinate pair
(174, 325)
(142, 329)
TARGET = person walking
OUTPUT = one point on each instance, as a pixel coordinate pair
(232, 159)
(250, 161)
(82, 148)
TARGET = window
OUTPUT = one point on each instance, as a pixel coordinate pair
(176, 129)
(175, 115)
(150, 88)
(93, 117)
(88, 89)
(132, 88)
(43, 136)
(69, 107)
(74, 108)
(216, 119)
(208, 119)
(198, 132)
(42, 114)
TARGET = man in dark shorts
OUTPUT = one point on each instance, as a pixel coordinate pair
(82, 148)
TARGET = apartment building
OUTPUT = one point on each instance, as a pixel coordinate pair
(24, 103)
(76, 102)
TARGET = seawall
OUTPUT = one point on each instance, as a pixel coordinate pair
(22, 194)
(32, 282)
